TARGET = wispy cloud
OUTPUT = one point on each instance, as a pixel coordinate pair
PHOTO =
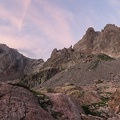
(36, 24)
(5, 15)
(114, 2)
(39, 26)
(28, 52)
(15, 13)
(53, 22)
(26, 4)
(114, 12)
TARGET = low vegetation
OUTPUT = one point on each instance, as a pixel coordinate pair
(104, 57)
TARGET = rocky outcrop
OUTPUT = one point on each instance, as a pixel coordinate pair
(114, 102)
(33, 66)
(107, 41)
(91, 117)
(66, 106)
(60, 60)
(18, 103)
(100, 100)
(86, 44)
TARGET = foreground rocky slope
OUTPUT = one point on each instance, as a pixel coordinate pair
(99, 101)
(18, 103)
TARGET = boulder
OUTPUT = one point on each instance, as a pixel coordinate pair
(18, 103)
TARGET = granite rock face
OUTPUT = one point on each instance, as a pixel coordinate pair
(17, 103)
(66, 106)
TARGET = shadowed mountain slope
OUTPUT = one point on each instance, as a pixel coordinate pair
(13, 64)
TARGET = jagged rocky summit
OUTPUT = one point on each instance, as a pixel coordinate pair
(106, 41)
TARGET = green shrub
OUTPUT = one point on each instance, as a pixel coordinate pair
(104, 57)
(90, 112)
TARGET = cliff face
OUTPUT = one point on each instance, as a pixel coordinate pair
(107, 41)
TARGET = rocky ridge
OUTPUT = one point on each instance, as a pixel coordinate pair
(95, 50)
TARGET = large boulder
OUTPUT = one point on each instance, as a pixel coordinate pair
(66, 106)
(18, 103)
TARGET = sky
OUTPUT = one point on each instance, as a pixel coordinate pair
(36, 27)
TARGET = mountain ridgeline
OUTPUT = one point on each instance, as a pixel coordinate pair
(92, 49)
(76, 83)
(97, 52)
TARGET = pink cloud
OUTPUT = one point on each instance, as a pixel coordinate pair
(57, 27)
(6, 15)
(15, 17)
(56, 30)
(14, 41)
(113, 2)
(26, 4)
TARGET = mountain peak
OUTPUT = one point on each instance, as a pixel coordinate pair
(90, 30)
(110, 27)
(4, 47)
(107, 41)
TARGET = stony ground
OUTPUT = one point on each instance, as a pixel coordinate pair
(100, 99)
